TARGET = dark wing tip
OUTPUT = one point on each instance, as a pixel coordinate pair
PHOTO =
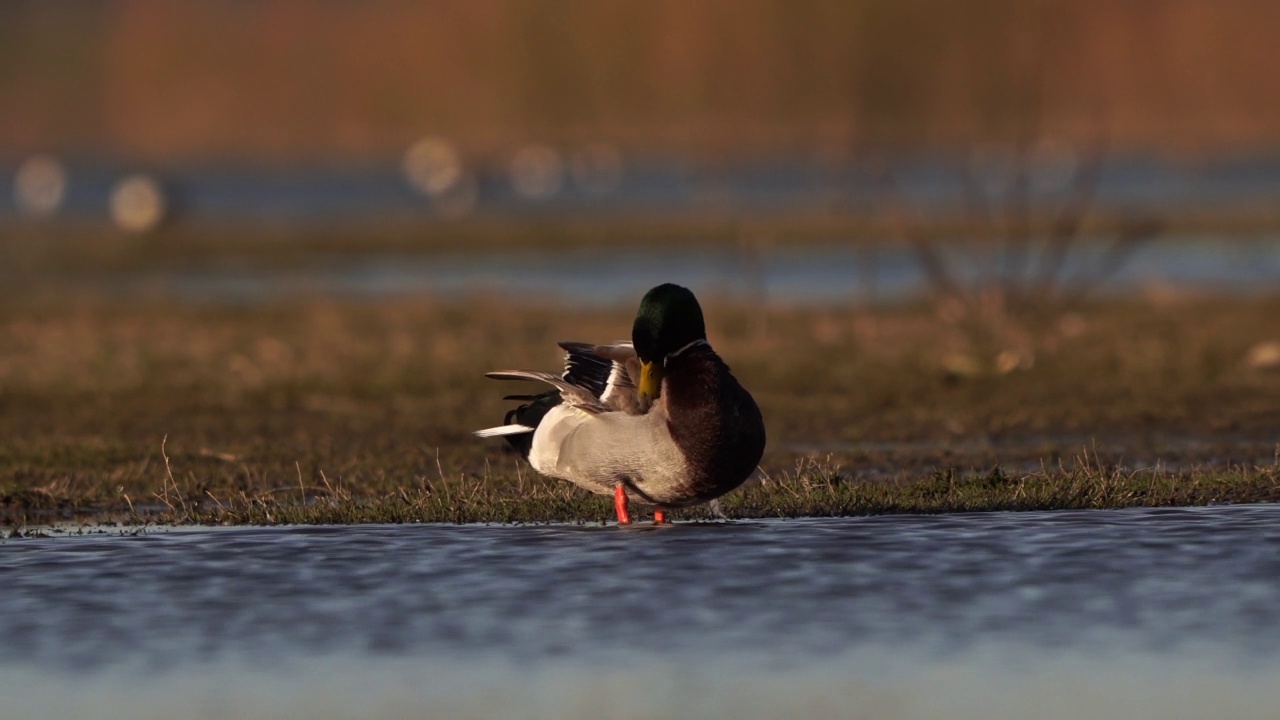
(584, 367)
(575, 346)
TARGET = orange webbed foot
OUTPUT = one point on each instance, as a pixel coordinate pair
(620, 505)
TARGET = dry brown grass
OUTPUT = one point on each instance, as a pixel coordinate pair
(359, 402)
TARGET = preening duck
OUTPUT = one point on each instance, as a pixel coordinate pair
(660, 420)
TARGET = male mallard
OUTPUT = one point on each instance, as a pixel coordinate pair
(659, 420)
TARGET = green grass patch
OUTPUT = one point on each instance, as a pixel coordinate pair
(813, 490)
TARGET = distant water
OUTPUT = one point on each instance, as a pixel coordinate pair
(241, 199)
(830, 273)
(234, 196)
(1140, 613)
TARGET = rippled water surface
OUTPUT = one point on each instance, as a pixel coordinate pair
(983, 615)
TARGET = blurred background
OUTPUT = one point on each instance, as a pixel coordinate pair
(928, 233)
(818, 149)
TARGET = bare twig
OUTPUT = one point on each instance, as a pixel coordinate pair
(216, 501)
(944, 284)
(182, 501)
(1066, 226)
(976, 204)
(1130, 239)
(301, 487)
(1017, 233)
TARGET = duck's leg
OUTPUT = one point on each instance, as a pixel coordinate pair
(659, 516)
(620, 504)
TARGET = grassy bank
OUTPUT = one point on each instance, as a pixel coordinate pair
(362, 411)
(813, 490)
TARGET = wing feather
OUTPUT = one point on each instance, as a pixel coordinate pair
(575, 395)
(621, 390)
(584, 367)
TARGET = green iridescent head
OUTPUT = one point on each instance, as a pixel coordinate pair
(669, 319)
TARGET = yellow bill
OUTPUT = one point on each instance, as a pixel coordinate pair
(650, 380)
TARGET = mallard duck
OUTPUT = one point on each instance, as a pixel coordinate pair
(659, 420)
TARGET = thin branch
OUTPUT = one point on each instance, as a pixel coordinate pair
(1131, 237)
(926, 252)
(976, 206)
(1066, 227)
(1017, 223)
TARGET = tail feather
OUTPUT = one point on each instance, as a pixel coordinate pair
(522, 421)
(501, 430)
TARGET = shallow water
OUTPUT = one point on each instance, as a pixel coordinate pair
(1063, 614)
